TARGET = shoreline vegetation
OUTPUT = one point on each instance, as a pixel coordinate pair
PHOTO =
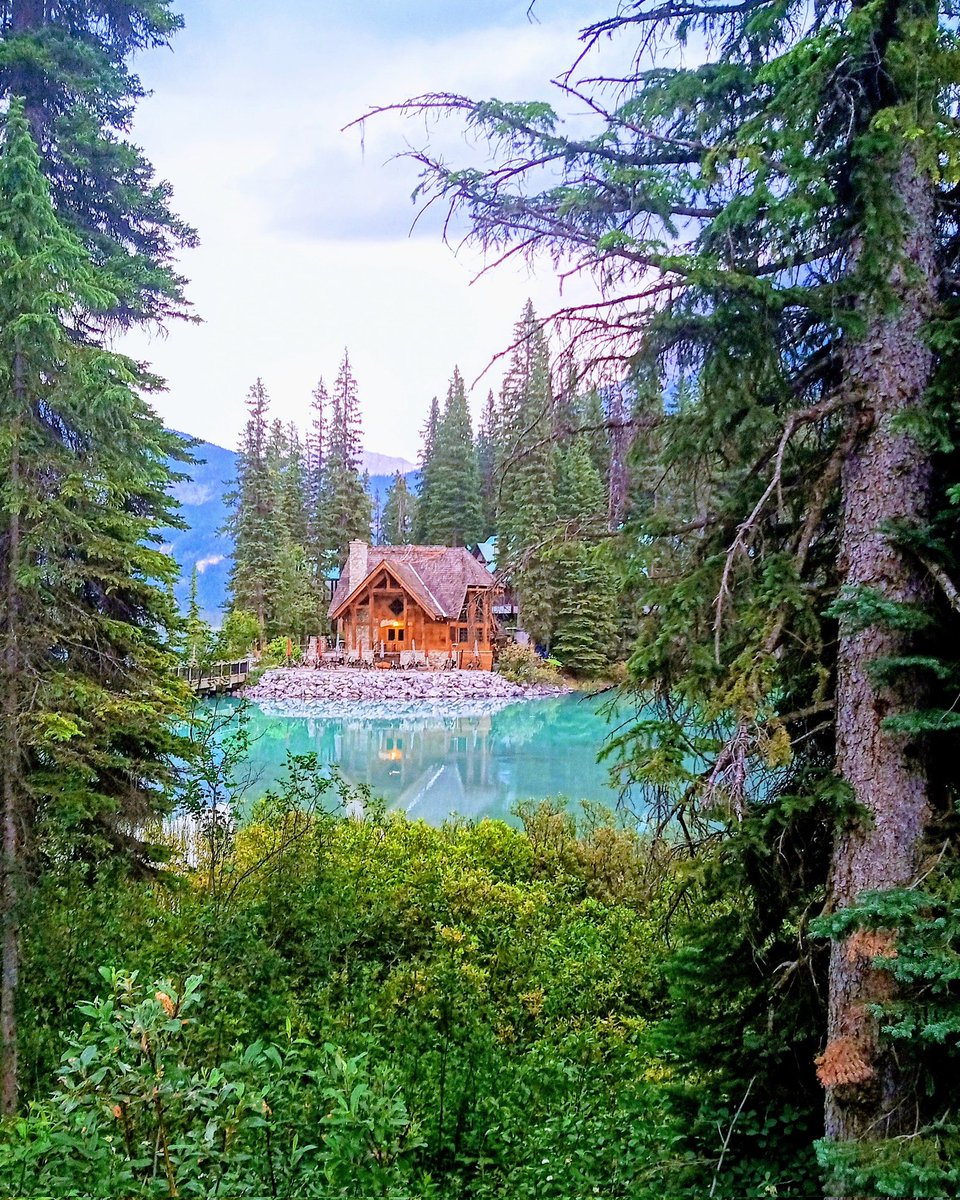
(319, 1005)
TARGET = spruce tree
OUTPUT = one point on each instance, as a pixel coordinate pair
(454, 505)
(254, 521)
(487, 464)
(777, 219)
(69, 63)
(585, 622)
(426, 475)
(399, 513)
(88, 687)
(345, 507)
(294, 488)
(272, 575)
(315, 456)
(526, 514)
(197, 640)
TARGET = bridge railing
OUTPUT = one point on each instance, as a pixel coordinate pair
(214, 673)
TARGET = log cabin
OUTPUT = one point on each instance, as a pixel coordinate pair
(430, 598)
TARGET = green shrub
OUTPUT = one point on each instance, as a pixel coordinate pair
(522, 664)
(140, 1110)
(275, 653)
(424, 1012)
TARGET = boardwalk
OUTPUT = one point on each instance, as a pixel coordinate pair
(216, 677)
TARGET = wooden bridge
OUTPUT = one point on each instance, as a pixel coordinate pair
(216, 677)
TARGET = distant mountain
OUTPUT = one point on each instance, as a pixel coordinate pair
(203, 508)
(383, 464)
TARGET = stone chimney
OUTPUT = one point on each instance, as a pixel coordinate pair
(357, 563)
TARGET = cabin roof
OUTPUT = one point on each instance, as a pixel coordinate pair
(436, 576)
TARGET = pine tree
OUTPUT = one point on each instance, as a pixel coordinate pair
(778, 220)
(399, 513)
(345, 506)
(273, 575)
(254, 519)
(69, 63)
(315, 469)
(452, 490)
(197, 641)
(294, 485)
(526, 515)
(88, 688)
(584, 586)
(487, 464)
(426, 480)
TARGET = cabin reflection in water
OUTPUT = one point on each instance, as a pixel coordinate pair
(425, 770)
(433, 759)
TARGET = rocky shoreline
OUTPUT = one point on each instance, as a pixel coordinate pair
(390, 687)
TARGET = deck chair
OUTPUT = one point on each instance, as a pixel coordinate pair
(406, 659)
(366, 658)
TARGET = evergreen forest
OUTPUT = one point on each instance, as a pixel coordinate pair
(724, 490)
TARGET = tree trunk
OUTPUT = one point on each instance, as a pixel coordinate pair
(26, 81)
(886, 478)
(9, 815)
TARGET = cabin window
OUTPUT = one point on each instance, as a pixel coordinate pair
(391, 635)
(400, 633)
(461, 635)
(396, 607)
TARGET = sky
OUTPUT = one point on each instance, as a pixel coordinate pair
(306, 243)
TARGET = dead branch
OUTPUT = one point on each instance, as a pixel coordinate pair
(744, 531)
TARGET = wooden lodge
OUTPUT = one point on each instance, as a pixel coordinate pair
(434, 599)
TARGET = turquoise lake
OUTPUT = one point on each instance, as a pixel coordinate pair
(473, 759)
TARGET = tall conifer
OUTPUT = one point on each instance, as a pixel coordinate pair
(526, 515)
(345, 508)
(584, 587)
(254, 518)
(452, 489)
(487, 464)
(426, 480)
(88, 689)
(399, 513)
(69, 62)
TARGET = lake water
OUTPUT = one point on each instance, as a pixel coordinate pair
(471, 759)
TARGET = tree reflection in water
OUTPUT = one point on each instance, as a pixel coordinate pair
(433, 760)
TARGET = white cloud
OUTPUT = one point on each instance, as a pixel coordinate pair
(210, 561)
(304, 233)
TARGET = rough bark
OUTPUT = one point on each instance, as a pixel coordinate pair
(26, 16)
(9, 815)
(886, 477)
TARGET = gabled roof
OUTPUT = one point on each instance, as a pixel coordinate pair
(436, 576)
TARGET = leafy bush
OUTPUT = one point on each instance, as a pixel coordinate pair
(237, 635)
(140, 1111)
(389, 1010)
(275, 653)
(522, 664)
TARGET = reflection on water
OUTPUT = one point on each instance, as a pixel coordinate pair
(432, 760)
